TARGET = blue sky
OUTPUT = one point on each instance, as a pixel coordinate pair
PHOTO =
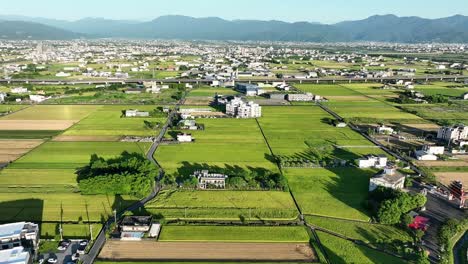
(325, 11)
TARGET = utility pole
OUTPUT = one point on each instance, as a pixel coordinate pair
(91, 232)
(115, 217)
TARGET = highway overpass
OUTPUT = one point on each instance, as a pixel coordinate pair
(428, 78)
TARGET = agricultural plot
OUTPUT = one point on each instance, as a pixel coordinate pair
(289, 129)
(41, 186)
(110, 121)
(339, 192)
(56, 207)
(206, 91)
(373, 112)
(234, 233)
(71, 231)
(223, 143)
(44, 118)
(365, 232)
(11, 150)
(327, 90)
(440, 113)
(342, 251)
(441, 88)
(228, 205)
(206, 251)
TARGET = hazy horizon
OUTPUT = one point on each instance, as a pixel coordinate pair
(328, 12)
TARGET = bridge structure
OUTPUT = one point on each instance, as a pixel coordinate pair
(328, 80)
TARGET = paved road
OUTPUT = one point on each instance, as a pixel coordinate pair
(457, 250)
(64, 257)
(198, 81)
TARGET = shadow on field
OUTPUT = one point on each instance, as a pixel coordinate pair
(22, 210)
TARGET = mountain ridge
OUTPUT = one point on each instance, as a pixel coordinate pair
(382, 28)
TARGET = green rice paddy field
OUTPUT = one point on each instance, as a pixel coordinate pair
(235, 233)
(228, 205)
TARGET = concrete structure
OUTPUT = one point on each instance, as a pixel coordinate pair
(429, 152)
(384, 130)
(134, 227)
(2, 97)
(249, 89)
(136, 113)
(182, 137)
(207, 180)
(372, 161)
(465, 96)
(389, 178)
(37, 98)
(308, 97)
(19, 234)
(453, 133)
(17, 255)
(238, 108)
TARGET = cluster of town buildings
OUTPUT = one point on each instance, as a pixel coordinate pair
(19, 242)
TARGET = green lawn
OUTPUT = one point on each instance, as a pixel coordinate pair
(232, 205)
(339, 193)
(341, 251)
(234, 233)
(72, 231)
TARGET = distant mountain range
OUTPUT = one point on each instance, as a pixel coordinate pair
(387, 28)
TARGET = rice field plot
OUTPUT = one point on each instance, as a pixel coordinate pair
(327, 90)
(70, 231)
(234, 233)
(365, 232)
(56, 207)
(441, 113)
(207, 91)
(11, 108)
(447, 89)
(11, 150)
(288, 129)
(338, 193)
(372, 112)
(109, 121)
(50, 168)
(226, 205)
(224, 142)
(343, 251)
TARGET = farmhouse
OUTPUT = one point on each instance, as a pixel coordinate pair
(389, 178)
(453, 133)
(207, 180)
(188, 124)
(372, 161)
(2, 97)
(136, 113)
(249, 89)
(238, 108)
(300, 97)
(465, 96)
(429, 152)
(134, 227)
(384, 130)
(37, 98)
(182, 137)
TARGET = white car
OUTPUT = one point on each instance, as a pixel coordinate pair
(75, 256)
(52, 260)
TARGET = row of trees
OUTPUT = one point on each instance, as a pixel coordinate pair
(447, 234)
(128, 174)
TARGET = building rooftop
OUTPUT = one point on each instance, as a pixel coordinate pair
(13, 229)
(137, 220)
(14, 255)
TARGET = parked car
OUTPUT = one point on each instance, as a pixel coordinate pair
(75, 256)
(81, 250)
(52, 260)
(63, 245)
(84, 242)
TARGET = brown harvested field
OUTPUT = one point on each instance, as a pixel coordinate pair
(441, 163)
(198, 100)
(462, 157)
(208, 251)
(218, 114)
(448, 177)
(11, 150)
(67, 138)
(13, 125)
(423, 126)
